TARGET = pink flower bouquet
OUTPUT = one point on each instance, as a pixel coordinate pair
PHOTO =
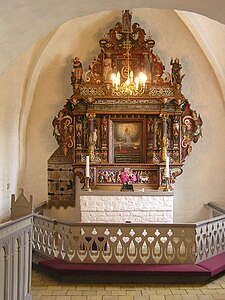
(127, 177)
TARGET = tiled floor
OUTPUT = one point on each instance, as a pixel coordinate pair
(44, 288)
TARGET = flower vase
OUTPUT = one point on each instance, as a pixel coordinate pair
(127, 186)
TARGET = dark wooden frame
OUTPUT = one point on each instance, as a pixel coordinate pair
(124, 122)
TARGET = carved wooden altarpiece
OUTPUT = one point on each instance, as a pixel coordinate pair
(119, 127)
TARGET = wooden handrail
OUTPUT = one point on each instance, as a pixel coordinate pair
(15, 221)
(216, 206)
(62, 222)
(40, 207)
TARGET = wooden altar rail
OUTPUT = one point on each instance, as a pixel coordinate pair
(101, 243)
(16, 259)
(40, 208)
(129, 243)
(210, 238)
(215, 209)
(210, 234)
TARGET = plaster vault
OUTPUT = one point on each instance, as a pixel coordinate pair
(28, 34)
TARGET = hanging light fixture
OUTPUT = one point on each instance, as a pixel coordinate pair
(132, 86)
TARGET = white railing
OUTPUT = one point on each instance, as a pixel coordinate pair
(210, 238)
(114, 243)
(129, 243)
(15, 259)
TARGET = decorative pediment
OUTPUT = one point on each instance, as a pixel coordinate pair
(127, 51)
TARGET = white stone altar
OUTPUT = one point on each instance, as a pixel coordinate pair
(100, 206)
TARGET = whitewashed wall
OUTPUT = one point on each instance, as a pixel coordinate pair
(11, 89)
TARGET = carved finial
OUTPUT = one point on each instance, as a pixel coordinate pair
(126, 20)
(13, 199)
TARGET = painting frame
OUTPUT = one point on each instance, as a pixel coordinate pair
(126, 140)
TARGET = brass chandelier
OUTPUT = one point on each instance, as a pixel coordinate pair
(132, 86)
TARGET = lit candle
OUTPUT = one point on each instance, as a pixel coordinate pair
(113, 78)
(118, 77)
(87, 167)
(131, 76)
(144, 79)
(137, 82)
(167, 173)
(117, 80)
(141, 78)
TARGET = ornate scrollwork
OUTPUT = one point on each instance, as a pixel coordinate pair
(63, 130)
(191, 129)
(91, 91)
(121, 52)
(120, 92)
(160, 92)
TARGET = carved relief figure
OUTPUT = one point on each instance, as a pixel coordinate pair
(191, 129)
(95, 137)
(157, 69)
(107, 67)
(176, 132)
(79, 130)
(104, 131)
(76, 71)
(115, 35)
(138, 33)
(176, 67)
(175, 129)
(126, 20)
(63, 131)
(150, 132)
(197, 126)
(95, 69)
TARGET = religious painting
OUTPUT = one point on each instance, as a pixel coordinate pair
(127, 137)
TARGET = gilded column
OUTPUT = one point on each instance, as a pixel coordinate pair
(164, 141)
(92, 136)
